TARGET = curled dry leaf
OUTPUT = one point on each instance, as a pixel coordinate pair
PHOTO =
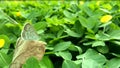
(27, 45)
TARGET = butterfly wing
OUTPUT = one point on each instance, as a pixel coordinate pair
(29, 33)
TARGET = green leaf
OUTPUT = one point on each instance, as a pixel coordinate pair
(5, 16)
(90, 36)
(4, 59)
(69, 17)
(113, 27)
(102, 36)
(92, 21)
(72, 33)
(106, 24)
(60, 32)
(68, 14)
(34, 13)
(87, 10)
(54, 20)
(78, 28)
(115, 34)
(46, 63)
(90, 31)
(3, 22)
(103, 49)
(62, 46)
(87, 22)
(74, 8)
(105, 10)
(90, 64)
(65, 55)
(117, 55)
(98, 43)
(78, 63)
(113, 63)
(69, 64)
(49, 35)
(71, 21)
(31, 63)
(83, 21)
(116, 42)
(7, 66)
(40, 25)
(88, 43)
(92, 59)
(75, 48)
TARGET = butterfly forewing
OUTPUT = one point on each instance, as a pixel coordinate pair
(29, 33)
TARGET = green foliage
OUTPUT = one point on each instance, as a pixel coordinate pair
(92, 59)
(4, 59)
(75, 35)
(31, 63)
(34, 63)
(46, 63)
(113, 63)
(70, 64)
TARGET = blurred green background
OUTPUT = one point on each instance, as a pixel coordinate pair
(79, 34)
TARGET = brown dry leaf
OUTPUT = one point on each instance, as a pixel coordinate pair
(27, 45)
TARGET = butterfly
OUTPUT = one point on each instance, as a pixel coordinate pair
(27, 45)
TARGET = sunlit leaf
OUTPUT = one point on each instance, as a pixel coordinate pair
(113, 63)
(65, 55)
(69, 64)
(31, 63)
(62, 46)
(92, 59)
